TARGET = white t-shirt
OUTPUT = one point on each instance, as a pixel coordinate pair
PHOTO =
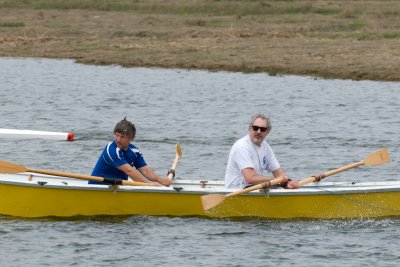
(245, 154)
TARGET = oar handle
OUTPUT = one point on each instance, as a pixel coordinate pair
(312, 179)
(171, 172)
(85, 177)
(256, 187)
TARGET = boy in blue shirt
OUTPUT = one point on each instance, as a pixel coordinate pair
(120, 159)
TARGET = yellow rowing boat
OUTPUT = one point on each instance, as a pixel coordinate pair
(30, 193)
(33, 195)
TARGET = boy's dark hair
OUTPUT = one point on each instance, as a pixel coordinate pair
(125, 127)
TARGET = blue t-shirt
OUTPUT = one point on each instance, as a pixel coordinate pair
(112, 157)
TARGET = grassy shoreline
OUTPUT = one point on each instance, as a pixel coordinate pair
(357, 40)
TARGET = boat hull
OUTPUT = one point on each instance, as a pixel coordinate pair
(42, 201)
(40, 196)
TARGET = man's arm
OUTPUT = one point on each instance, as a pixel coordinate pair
(147, 172)
(135, 175)
(251, 176)
(279, 173)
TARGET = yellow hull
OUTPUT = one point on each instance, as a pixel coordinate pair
(40, 201)
(347, 206)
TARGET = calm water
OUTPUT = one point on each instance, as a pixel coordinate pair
(317, 125)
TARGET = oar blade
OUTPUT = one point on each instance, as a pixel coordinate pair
(9, 167)
(211, 200)
(178, 150)
(377, 158)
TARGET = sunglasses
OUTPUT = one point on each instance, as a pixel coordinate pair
(256, 128)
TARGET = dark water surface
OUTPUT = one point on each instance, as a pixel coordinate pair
(318, 125)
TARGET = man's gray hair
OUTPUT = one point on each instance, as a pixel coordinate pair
(260, 116)
(125, 127)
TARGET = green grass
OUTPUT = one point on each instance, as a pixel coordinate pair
(391, 35)
(365, 37)
(179, 7)
(356, 25)
(12, 24)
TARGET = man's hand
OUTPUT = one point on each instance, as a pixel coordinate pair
(165, 181)
(292, 184)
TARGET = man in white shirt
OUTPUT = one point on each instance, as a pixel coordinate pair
(251, 155)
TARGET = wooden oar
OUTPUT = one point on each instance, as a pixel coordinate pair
(9, 167)
(212, 200)
(171, 172)
(376, 158)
